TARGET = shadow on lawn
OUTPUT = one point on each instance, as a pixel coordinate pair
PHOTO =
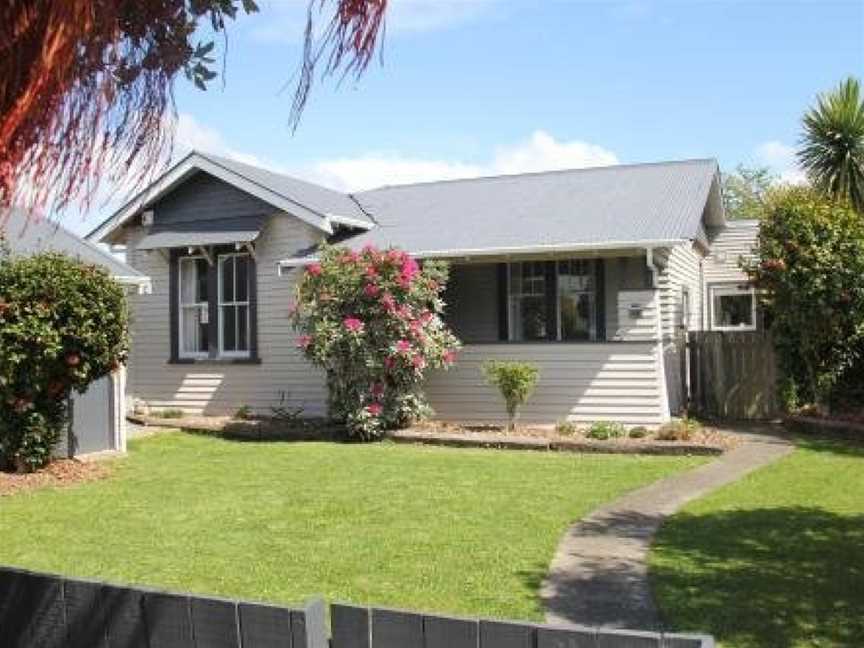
(764, 577)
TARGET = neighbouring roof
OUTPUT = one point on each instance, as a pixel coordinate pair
(26, 236)
(318, 206)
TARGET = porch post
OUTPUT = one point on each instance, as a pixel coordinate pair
(658, 314)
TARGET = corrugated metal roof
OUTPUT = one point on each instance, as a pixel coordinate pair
(28, 236)
(222, 231)
(626, 204)
(311, 196)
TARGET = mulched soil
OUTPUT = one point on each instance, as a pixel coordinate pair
(705, 436)
(60, 473)
(705, 441)
(255, 429)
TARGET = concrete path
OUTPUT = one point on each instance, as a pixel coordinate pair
(599, 574)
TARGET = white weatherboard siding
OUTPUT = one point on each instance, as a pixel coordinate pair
(215, 388)
(729, 247)
(578, 382)
(682, 271)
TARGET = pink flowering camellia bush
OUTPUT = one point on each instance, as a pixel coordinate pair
(372, 321)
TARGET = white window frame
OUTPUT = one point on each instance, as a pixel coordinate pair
(734, 290)
(686, 308)
(181, 307)
(220, 323)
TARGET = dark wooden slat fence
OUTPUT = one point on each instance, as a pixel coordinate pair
(733, 375)
(49, 611)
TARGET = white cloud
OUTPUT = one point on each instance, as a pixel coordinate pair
(540, 152)
(781, 159)
(191, 134)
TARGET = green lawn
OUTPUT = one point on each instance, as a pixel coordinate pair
(466, 531)
(776, 559)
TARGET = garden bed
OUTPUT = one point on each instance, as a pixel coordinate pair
(63, 472)
(706, 441)
(252, 429)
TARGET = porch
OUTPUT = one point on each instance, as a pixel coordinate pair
(589, 322)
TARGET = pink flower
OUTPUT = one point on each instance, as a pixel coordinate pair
(371, 272)
(292, 309)
(375, 409)
(350, 256)
(403, 312)
(314, 269)
(449, 356)
(377, 390)
(388, 302)
(304, 341)
(409, 268)
(418, 361)
(426, 317)
(403, 346)
(369, 250)
(389, 362)
(416, 326)
(371, 290)
(353, 324)
(395, 256)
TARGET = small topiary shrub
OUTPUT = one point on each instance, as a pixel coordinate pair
(516, 382)
(63, 324)
(566, 428)
(605, 430)
(638, 432)
(681, 429)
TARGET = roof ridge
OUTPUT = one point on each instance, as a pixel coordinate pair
(500, 176)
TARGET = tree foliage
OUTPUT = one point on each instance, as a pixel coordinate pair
(372, 321)
(516, 382)
(86, 86)
(832, 146)
(810, 262)
(63, 324)
(744, 191)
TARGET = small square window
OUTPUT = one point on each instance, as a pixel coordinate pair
(733, 308)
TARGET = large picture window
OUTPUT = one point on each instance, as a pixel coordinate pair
(554, 300)
(733, 308)
(234, 305)
(193, 308)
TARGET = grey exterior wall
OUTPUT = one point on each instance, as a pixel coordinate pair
(203, 197)
(216, 387)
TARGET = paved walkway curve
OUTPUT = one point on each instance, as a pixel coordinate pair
(599, 574)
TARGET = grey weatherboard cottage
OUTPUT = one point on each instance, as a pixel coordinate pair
(592, 274)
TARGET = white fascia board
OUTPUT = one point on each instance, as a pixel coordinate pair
(296, 262)
(188, 165)
(348, 221)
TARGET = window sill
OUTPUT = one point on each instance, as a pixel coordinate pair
(215, 361)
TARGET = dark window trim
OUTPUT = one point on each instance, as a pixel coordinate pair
(213, 356)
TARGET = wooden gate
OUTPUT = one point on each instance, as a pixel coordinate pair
(733, 375)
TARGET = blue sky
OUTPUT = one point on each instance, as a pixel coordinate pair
(471, 87)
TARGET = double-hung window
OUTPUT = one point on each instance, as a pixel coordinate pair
(577, 302)
(193, 309)
(527, 301)
(234, 305)
(213, 307)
